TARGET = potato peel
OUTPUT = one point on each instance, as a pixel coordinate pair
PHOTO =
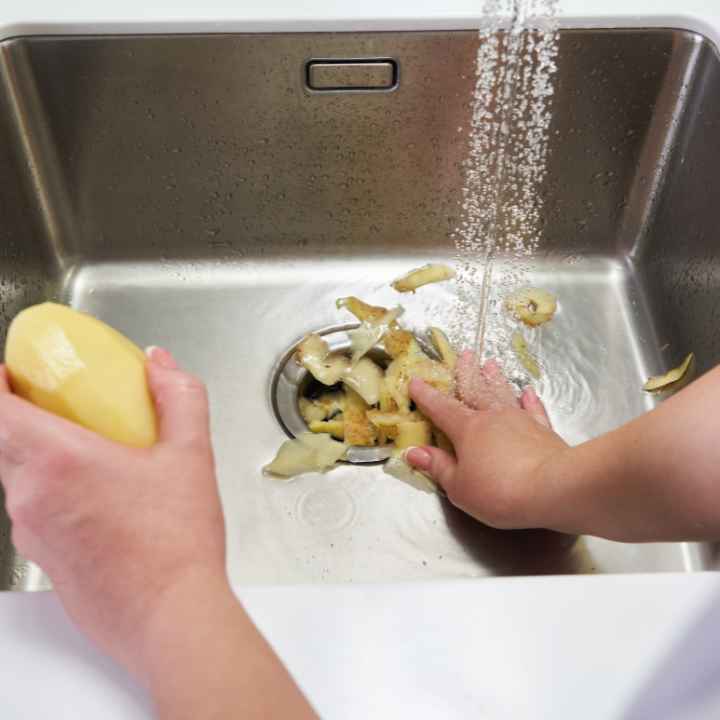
(389, 419)
(314, 355)
(397, 467)
(359, 430)
(413, 434)
(331, 402)
(397, 341)
(370, 332)
(403, 369)
(387, 406)
(673, 379)
(532, 306)
(311, 411)
(443, 348)
(360, 309)
(365, 379)
(306, 453)
(524, 355)
(431, 273)
(374, 406)
(334, 427)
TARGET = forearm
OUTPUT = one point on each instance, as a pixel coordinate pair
(656, 478)
(205, 659)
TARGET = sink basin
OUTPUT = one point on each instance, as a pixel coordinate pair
(194, 192)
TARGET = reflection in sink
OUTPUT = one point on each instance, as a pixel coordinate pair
(192, 192)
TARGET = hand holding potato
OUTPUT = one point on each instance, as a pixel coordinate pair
(133, 540)
(93, 513)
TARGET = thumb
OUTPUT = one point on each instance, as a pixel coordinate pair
(440, 465)
(181, 401)
(532, 404)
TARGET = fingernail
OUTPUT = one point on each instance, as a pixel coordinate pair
(161, 357)
(530, 394)
(418, 457)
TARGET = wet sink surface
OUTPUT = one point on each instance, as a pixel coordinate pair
(193, 193)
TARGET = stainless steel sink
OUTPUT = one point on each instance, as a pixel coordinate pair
(196, 193)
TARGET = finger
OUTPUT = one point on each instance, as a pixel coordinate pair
(162, 357)
(483, 387)
(499, 388)
(440, 465)
(449, 414)
(27, 431)
(181, 403)
(470, 380)
(531, 403)
(4, 380)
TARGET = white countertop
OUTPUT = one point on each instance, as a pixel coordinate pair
(565, 647)
(521, 649)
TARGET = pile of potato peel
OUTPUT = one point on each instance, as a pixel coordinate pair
(365, 404)
(373, 406)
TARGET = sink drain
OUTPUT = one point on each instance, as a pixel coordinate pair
(291, 381)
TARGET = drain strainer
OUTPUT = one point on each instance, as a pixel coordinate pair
(292, 381)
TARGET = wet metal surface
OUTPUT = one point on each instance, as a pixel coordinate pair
(192, 192)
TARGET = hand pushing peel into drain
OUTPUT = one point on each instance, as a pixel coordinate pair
(365, 404)
(76, 366)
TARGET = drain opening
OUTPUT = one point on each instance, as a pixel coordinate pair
(291, 382)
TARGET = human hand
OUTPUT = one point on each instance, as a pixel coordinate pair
(116, 528)
(503, 446)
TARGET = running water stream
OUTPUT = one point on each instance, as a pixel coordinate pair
(505, 168)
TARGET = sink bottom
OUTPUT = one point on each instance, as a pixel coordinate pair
(228, 323)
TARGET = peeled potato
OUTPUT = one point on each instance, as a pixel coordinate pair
(75, 366)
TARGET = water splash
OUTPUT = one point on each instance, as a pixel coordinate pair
(505, 169)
